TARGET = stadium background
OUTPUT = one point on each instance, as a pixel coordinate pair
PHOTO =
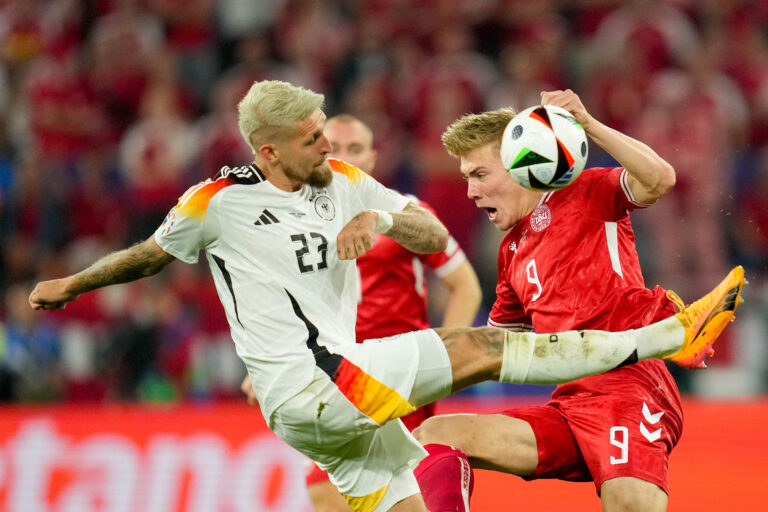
(110, 108)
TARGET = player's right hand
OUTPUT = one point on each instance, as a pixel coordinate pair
(52, 294)
(571, 102)
(356, 238)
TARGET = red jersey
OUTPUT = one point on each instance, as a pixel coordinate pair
(393, 286)
(571, 264)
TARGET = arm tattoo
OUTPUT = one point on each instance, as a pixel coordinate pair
(418, 230)
(486, 340)
(122, 266)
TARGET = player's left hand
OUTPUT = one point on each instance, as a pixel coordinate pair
(247, 388)
(571, 102)
(356, 238)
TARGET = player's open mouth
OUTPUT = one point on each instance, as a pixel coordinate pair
(491, 213)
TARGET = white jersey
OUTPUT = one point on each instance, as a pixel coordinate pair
(272, 253)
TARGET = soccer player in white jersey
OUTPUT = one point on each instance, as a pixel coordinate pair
(393, 290)
(281, 236)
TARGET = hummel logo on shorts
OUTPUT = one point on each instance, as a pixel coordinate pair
(266, 218)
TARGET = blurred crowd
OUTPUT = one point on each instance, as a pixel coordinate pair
(110, 109)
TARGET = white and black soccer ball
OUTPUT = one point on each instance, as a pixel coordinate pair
(544, 148)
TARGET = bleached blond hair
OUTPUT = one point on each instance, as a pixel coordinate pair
(271, 108)
(472, 131)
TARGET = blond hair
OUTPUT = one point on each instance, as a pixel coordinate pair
(476, 130)
(271, 106)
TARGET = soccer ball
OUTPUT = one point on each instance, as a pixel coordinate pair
(544, 148)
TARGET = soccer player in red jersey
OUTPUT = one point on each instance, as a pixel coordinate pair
(568, 261)
(393, 290)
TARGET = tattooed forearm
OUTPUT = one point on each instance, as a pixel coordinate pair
(141, 260)
(476, 353)
(418, 230)
(488, 341)
(493, 338)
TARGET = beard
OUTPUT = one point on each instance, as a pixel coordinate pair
(319, 176)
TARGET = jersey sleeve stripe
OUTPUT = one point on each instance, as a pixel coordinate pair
(623, 179)
(519, 326)
(194, 202)
(352, 173)
(456, 259)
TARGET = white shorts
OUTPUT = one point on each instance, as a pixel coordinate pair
(348, 424)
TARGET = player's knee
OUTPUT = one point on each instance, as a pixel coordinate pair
(437, 430)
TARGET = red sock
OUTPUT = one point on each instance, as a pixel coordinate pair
(446, 479)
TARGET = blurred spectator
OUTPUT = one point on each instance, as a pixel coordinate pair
(656, 30)
(241, 19)
(529, 66)
(29, 356)
(121, 46)
(97, 206)
(751, 218)
(21, 33)
(743, 35)
(311, 36)
(155, 155)
(438, 180)
(681, 125)
(455, 80)
(65, 117)
(219, 141)
(191, 37)
(33, 210)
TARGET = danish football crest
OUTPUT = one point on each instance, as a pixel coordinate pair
(541, 217)
(325, 208)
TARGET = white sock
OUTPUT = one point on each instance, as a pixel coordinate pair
(556, 358)
(659, 339)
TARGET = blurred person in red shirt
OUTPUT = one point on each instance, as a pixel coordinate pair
(191, 36)
(693, 127)
(218, 140)
(122, 46)
(21, 33)
(155, 154)
(65, 115)
(751, 216)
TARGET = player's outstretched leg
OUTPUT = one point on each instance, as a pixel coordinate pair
(706, 318)
(536, 358)
(489, 353)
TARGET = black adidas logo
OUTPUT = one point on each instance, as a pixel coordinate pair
(266, 218)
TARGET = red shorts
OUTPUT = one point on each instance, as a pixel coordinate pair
(315, 475)
(627, 429)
